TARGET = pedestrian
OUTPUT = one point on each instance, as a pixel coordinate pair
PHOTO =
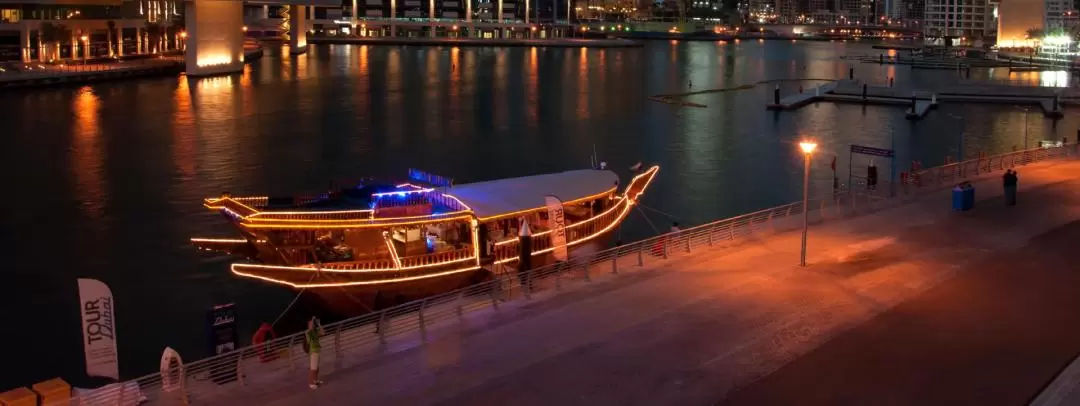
(311, 344)
(691, 84)
(1009, 181)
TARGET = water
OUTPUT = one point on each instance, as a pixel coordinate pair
(105, 181)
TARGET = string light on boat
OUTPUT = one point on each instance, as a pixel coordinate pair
(356, 283)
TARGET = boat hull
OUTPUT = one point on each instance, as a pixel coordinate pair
(349, 301)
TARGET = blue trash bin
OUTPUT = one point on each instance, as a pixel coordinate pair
(958, 198)
(969, 197)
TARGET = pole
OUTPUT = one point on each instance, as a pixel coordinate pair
(805, 200)
(1025, 130)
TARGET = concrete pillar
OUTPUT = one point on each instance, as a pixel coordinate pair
(266, 11)
(24, 43)
(393, 12)
(498, 13)
(138, 40)
(526, 11)
(215, 40)
(297, 29)
(119, 41)
(74, 46)
(41, 48)
(354, 17)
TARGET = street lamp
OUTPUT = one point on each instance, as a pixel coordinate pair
(1025, 128)
(808, 150)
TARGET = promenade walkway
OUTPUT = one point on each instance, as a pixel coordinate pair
(911, 305)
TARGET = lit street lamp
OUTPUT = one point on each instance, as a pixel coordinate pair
(808, 150)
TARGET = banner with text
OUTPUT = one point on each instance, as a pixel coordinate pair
(99, 329)
(557, 223)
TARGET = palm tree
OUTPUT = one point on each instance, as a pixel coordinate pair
(53, 34)
(1034, 33)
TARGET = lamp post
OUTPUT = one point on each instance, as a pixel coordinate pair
(1025, 128)
(808, 150)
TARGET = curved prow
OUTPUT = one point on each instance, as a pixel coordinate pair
(639, 183)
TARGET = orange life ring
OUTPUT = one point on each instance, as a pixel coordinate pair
(259, 341)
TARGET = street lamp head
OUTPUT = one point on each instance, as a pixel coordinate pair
(808, 147)
(183, 34)
(84, 38)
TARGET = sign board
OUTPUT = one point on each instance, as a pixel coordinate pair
(221, 323)
(882, 152)
(557, 224)
(99, 329)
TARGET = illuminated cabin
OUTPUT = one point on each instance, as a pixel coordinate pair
(412, 238)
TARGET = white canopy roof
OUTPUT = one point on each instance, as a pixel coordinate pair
(502, 196)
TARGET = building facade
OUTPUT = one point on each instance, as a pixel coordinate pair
(963, 21)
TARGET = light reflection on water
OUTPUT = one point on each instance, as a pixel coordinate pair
(117, 184)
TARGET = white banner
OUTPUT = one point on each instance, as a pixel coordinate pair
(99, 329)
(557, 223)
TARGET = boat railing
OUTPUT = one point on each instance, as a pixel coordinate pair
(507, 250)
(250, 201)
(368, 265)
(313, 215)
(438, 258)
(414, 261)
(241, 209)
(258, 371)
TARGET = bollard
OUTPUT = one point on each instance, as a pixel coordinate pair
(890, 82)
(817, 93)
(969, 72)
(851, 74)
(1056, 95)
(933, 99)
(913, 103)
(776, 95)
(880, 59)
(864, 92)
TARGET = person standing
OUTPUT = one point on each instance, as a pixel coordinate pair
(311, 340)
(1010, 180)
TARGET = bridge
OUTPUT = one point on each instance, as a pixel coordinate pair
(901, 299)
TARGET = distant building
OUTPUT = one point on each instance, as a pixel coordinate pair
(963, 21)
(1015, 18)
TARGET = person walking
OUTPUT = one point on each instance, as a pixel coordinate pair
(311, 342)
(1010, 180)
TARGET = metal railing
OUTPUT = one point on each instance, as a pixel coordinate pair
(44, 71)
(260, 370)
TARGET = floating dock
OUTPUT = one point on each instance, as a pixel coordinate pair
(920, 102)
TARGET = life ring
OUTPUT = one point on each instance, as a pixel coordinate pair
(259, 341)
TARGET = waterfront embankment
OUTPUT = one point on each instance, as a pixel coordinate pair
(482, 42)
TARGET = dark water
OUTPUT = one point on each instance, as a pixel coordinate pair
(105, 181)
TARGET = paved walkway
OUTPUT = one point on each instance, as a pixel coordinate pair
(913, 305)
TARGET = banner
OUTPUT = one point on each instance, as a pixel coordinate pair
(99, 329)
(221, 324)
(557, 223)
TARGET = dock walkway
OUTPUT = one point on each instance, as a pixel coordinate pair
(1050, 101)
(913, 302)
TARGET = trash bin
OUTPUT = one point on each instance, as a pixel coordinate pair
(969, 196)
(958, 198)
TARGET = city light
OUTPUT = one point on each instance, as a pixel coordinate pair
(807, 146)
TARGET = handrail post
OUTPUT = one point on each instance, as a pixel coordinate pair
(527, 288)
(641, 254)
(585, 268)
(772, 229)
(460, 299)
(494, 301)
(239, 372)
(420, 316)
(338, 351)
(381, 326)
(288, 352)
(615, 261)
(558, 276)
(688, 238)
(708, 234)
(731, 230)
(667, 240)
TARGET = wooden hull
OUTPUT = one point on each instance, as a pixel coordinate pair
(348, 301)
